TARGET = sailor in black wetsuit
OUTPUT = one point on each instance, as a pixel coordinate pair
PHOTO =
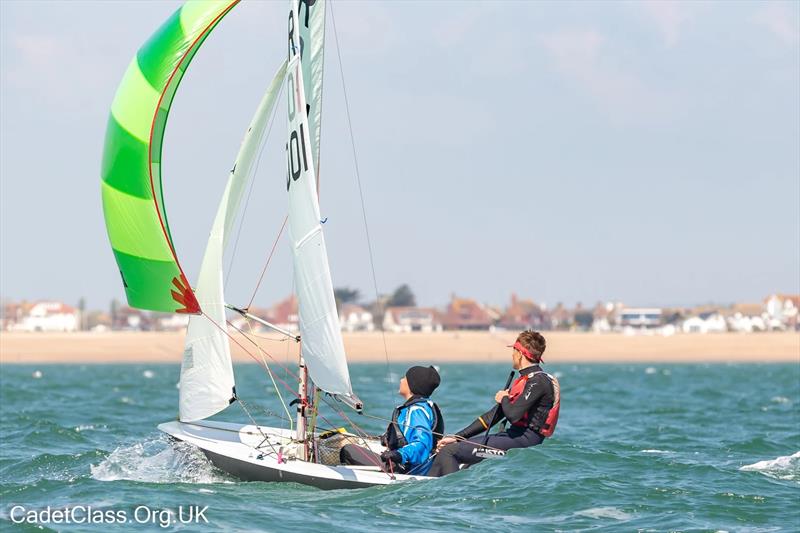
(531, 406)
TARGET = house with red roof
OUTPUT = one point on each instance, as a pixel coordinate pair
(467, 314)
(523, 314)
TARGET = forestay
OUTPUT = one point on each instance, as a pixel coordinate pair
(322, 346)
(207, 383)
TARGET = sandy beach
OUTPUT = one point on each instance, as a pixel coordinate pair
(476, 347)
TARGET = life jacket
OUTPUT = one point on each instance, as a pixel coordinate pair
(394, 437)
(543, 420)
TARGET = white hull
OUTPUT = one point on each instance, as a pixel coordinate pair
(241, 450)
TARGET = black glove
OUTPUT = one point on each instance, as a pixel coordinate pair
(393, 456)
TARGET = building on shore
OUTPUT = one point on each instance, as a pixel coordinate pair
(782, 311)
(410, 319)
(125, 318)
(641, 320)
(562, 318)
(523, 314)
(11, 313)
(746, 318)
(605, 317)
(355, 318)
(707, 322)
(466, 314)
(173, 322)
(44, 316)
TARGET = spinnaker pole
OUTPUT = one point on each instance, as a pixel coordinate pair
(264, 322)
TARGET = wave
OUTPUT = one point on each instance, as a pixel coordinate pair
(786, 467)
(158, 460)
(605, 512)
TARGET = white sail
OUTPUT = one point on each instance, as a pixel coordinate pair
(207, 384)
(322, 346)
(311, 18)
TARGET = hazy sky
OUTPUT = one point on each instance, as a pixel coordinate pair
(647, 152)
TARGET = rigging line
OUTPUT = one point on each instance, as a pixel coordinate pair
(340, 412)
(254, 358)
(269, 258)
(271, 339)
(319, 105)
(250, 190)
(246, 336)
(240, 344)
(271, 377)
(363, 434)
(457, 437)
(363, 438)
(361, 197)
(263, 436)
(261, 428)
(360, 440)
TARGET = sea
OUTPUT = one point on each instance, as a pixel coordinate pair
(653, 447)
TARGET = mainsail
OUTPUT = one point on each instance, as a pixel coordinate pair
(322, 346)
(133, 202)
(207, 384)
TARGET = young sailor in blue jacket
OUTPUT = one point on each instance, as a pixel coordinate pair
(414, 431)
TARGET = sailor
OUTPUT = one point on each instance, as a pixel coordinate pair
(412, 434)
(531, 406)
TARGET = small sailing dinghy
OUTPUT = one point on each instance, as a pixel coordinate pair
(153, 278)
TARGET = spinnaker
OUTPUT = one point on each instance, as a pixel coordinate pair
(133, 201)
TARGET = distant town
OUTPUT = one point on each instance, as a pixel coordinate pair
(398, 313)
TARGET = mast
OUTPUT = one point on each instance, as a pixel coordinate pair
(302, 393)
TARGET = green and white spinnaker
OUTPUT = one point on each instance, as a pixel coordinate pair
(133, 202)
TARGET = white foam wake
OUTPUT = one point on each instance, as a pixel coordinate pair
(785, 467)
(157, 461)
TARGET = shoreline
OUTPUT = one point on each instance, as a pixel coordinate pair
(449, 346)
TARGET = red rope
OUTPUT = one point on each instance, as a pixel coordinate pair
(269, 258)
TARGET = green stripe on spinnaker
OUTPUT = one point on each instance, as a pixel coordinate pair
(124, 158)
(135, 103)
(151, 62)
(129, 221)
(133, 202)
(145, 280)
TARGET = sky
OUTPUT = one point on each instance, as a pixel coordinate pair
(643, 152)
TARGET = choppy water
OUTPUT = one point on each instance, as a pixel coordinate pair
(647, 447)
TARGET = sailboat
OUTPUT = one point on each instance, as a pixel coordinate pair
(153, 278)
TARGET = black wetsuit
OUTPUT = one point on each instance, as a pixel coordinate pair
(536, 400)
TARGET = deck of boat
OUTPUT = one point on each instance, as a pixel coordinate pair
(264, 453)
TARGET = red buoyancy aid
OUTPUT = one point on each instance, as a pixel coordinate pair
(549, 426)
